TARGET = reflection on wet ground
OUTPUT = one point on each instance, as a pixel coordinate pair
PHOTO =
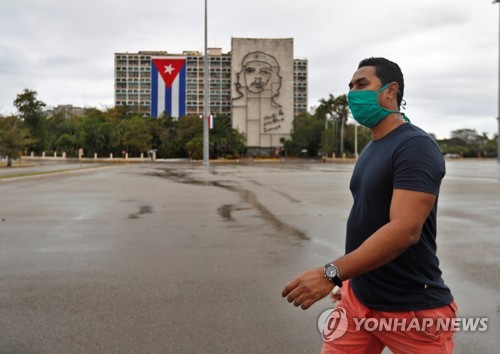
(246, 196)
(225, 211)
(290, 198)
(145, 209)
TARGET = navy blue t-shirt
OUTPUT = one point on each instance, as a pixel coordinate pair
(406, 158)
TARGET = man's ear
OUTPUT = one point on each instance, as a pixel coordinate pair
(391, 92)
(393, 89)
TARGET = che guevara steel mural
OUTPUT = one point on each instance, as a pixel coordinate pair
(259, 83)
(262, 91)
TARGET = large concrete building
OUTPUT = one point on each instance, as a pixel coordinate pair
(135, 86)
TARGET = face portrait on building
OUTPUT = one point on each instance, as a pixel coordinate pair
(262, 95)
(257, 75)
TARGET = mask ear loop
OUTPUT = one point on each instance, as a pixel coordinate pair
(403, 106)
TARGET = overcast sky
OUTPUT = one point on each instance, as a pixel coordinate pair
(447, 49)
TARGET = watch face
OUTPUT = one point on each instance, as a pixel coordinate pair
(330, 272)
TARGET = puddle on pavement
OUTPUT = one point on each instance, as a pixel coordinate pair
(290, 198)
(145, 209)
(251, 198)
(225, 211)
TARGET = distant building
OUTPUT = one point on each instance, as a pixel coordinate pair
(139, 76)
(65, 110)
(300, 86)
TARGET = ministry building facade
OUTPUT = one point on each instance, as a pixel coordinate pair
(258, 84)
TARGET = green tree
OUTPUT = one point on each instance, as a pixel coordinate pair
(326, 107)
(306, 135)
(62, 135)
(107, 138)
(341, 110)
(226, 141)
(13, 138)
(87, 135)
(325, 111)
(490, 147)
(164, 133)
(31, 112)
(364, 137)
(188, 128)
(117, 113)
(194, 148)
(136, 136)
(67, 143)
(468, 136)
(468, 143)
(335, 109)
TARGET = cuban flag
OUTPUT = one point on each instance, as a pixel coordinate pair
(168, 86)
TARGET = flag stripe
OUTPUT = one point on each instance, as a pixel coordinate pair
(168, 102)
(175, 97)
(161, 96)
(182, 92)
(154, 92)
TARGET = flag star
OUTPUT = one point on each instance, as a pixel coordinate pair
(169, 69)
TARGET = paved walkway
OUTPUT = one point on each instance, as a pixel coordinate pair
(184, 258)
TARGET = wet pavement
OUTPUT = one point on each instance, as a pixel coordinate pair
(184, 258)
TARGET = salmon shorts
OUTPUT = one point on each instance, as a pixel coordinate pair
(370, 331)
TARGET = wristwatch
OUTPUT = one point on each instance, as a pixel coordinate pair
(332, 273)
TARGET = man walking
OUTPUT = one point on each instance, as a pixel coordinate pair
(390, 268)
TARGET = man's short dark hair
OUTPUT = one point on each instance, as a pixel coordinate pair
(387, 71)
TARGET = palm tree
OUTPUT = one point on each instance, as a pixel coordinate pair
(341, 108)
(338, 109)
(326, 106)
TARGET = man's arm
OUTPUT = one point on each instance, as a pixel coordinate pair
(408, 212)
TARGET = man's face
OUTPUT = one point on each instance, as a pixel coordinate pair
(257, 75)
(365, 79)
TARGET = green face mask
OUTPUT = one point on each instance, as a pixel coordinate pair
(365, 108)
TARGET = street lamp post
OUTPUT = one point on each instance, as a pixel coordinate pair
(341, 108)
(498, 117)
(335, 135)
(325, 136)
(206, 108)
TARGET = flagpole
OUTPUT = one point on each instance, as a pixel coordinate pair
(206, 108)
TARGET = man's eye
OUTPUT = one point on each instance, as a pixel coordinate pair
(249, 70)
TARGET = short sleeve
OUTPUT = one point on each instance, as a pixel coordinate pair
(418, 165)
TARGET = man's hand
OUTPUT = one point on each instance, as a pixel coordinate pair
(307, 288)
